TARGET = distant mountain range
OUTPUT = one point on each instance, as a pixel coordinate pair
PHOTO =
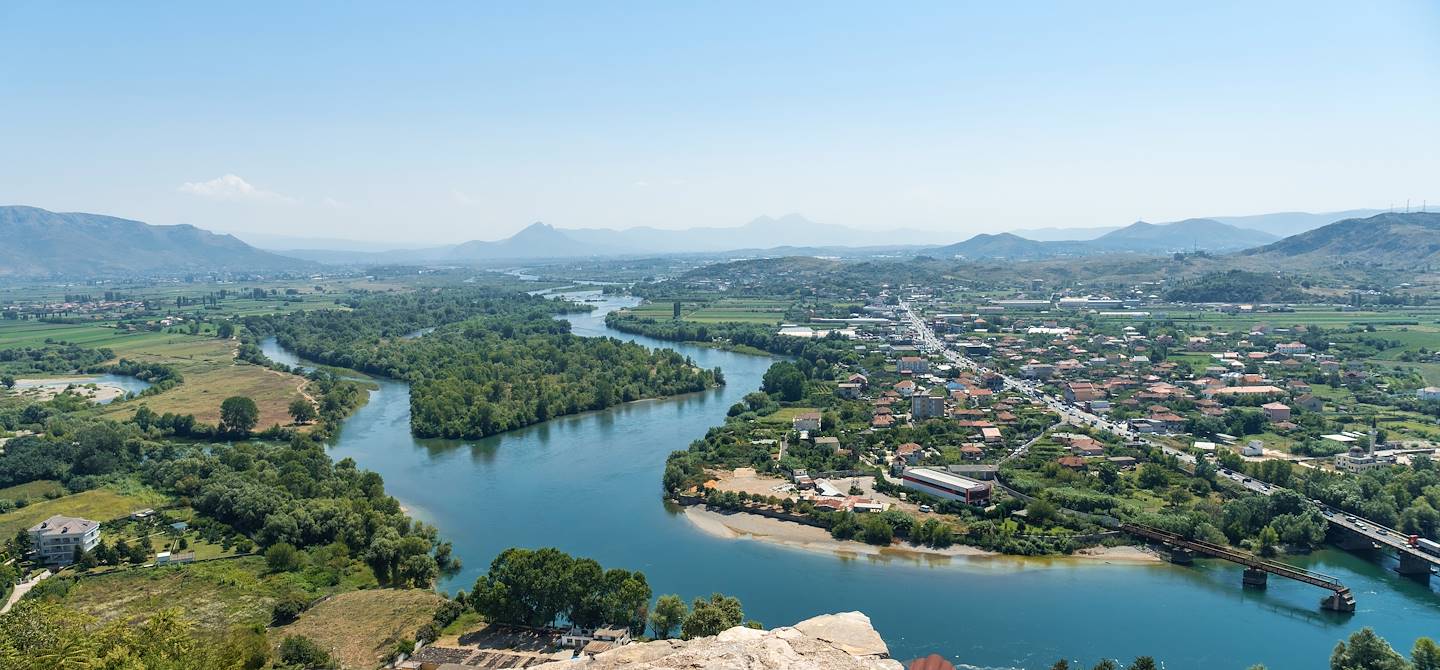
(543, 241)
(40, 243)
(1279, 224)
(1389, 239)
(1138, 237)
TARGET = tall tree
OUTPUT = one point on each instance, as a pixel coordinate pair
(1365, 650)
(238, 415)
(669, 613)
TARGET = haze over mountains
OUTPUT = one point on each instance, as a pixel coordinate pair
(801, 235)
(1138, 237)
(38, 243)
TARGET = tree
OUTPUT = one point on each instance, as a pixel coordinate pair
(1426, 654)
(8, 381)
(1061, 664)
(303, 652)
(1107, 664)
(711, 617)
(238, 414)
(1267, 541)
(302, 411)
(225, 330)
(282, 557)
(1366, 651)
(1143, 663)
(669, 613)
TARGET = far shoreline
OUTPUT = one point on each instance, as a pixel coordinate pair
(743, 526)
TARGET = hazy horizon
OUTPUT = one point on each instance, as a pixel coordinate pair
(463, 122)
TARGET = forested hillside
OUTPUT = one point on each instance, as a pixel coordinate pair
(497, 361)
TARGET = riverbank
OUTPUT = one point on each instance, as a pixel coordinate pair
(742, 526)
(91, 388)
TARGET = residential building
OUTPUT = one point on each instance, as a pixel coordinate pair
(806, 421)
(1291, 348)
(924, 407)
(1428, 393)
(56, 538)
(1276, 411)
(913, 364)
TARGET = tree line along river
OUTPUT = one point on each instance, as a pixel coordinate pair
(590, 485)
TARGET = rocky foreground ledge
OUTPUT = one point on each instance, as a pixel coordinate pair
(844, 641)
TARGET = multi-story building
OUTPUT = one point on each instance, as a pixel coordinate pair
(924, 407)
(56, 538)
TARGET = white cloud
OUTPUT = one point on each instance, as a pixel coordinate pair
(461, 197)
(231, 187)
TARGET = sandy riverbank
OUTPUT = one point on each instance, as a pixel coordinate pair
(741, 526)
(87, 387)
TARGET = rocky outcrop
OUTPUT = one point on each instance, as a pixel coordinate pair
(843, 641)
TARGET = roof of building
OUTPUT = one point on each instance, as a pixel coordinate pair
(64, 525)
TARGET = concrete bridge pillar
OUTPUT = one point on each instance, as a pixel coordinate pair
(1413, 564)
(1339, 602)
(1255, 578)
(1181, 556)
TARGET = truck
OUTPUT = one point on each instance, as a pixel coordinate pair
(1428, 546)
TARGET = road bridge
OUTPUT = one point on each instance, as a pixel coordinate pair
(1256, 568)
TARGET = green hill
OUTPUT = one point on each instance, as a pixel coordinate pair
(1390, 239)
(40, 243)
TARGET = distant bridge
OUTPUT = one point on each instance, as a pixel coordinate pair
(1256, 568)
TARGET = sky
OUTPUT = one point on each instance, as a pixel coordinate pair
(416, 123)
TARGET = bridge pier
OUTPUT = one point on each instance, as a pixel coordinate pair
(1253, 578)
(1343, 601)
(1413, 565)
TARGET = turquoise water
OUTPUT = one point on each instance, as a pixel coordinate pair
(590, 484)
(123, 382)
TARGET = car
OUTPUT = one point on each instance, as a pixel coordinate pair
(1351, 519)
(926, 508)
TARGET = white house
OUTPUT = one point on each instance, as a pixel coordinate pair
(56, 538)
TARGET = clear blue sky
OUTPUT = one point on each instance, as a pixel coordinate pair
(446, 122)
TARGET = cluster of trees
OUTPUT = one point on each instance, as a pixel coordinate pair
(160, 376)
(39, 634)
(1238, 286)
(503, 362)
(272, 493)
(735, 333)
(493, 375)
(540, 587)
(51, 359)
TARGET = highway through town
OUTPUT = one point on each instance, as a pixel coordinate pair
(1370, 530)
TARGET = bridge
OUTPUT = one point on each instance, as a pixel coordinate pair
(1257, 569)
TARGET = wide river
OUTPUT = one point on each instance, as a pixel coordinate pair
(590, 485)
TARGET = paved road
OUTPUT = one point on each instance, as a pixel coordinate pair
(1070, 414)
(21, 589)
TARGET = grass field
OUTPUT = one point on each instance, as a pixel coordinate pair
(101, 504)
(33, 491)
(785, 415)
(203, 391)
(16, 334)
(213, 594)
(363, 627)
